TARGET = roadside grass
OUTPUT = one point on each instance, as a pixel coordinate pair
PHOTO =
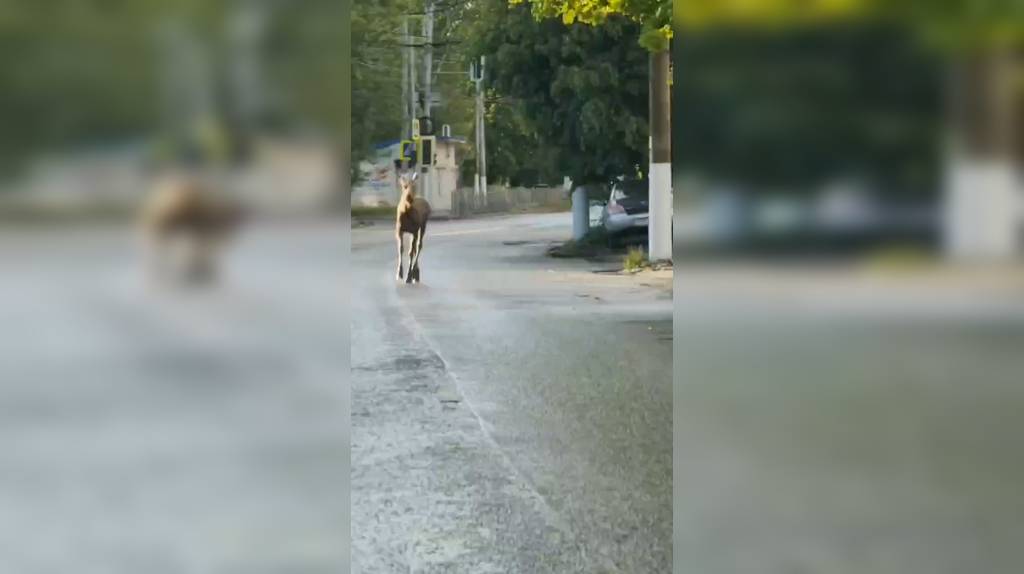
(900, 259)
(635, 260)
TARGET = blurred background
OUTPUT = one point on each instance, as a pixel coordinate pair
(165, 427)
(98, 95)
(848, 286)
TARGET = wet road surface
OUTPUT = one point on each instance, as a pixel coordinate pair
(512, 413)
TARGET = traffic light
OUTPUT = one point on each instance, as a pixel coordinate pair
(407, 153)
(426, 151)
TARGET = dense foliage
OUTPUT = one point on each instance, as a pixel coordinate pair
(654, 15)
(791, 109)
(570, 98)
(77, 73)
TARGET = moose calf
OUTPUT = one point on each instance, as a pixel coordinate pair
(183, 214)
(411, 217)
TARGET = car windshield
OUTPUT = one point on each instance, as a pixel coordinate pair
(636, 189)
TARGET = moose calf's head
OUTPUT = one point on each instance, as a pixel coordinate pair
(408, 184)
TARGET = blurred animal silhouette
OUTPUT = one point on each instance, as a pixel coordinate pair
(411, 217)
(185, 227)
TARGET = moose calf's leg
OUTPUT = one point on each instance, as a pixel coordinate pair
(399, 274)
(414, 253)
(415, 267)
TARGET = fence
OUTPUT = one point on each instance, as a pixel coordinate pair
(501, 199)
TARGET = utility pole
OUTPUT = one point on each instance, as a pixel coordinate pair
(247, 28)
(483, 133)
(406, 112)
(659, 234)
(982, 196)
(428, 57)
(411, 72)
(187, 87)
(483, 130)
(476, 75)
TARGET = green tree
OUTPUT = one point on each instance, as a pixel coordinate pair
(791, 109)
(954, 24)
(572, 94)
(76, 73)
(654, 15)
(376, 73)
(979, 40)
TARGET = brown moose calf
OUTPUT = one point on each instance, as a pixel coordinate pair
(185, 229)
(411, 217)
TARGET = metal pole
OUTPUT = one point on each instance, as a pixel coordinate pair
(474, 76)
(479, 144)
(483, 130)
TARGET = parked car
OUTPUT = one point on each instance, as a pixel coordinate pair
(596, 212)
(627, 209)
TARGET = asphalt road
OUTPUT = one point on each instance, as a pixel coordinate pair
(512, 413)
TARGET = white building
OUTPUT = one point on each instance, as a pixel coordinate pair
(439, 178)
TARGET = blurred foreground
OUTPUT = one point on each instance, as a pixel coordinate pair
(849, 288)
(167, 430)
(148, 428)
(848, 419)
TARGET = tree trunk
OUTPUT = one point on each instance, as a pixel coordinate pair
(983, 186)
(659, 234)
